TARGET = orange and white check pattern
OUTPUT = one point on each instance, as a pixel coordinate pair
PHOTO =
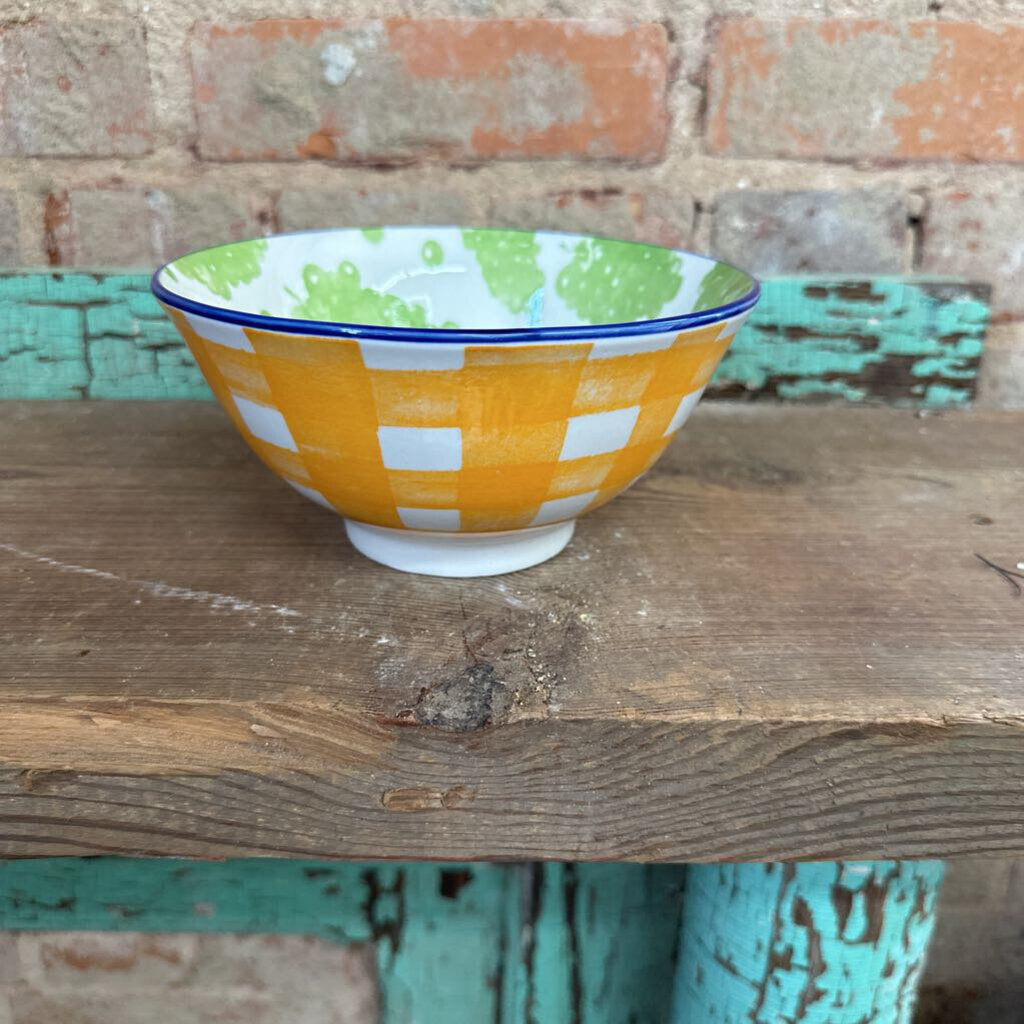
(452, 437)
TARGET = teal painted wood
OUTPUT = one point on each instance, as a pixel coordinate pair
(436, 927)
(80, 335)
(811, 943)
(552, 969)
(327, 899)
(627, 928)
(442, 954)
(904, 341)
(894, 340)
(515, 944)
(598, 945)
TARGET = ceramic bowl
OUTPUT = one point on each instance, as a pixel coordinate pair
(459, 396)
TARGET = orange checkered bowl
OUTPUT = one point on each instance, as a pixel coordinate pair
(458, 395)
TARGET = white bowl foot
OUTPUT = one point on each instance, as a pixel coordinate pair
(459, 554)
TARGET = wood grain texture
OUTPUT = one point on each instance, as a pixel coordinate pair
(778, 645)
(915, 341)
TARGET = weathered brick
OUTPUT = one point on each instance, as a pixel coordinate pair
(102, 227)
(282, 964)
(102, 977)
(808, 232)
(10, 251)
(76, 87)
(1001, 383)
(869, 89)
(9, 968)
(650, 216)
(190, 218)
(299, 210)
(29, 1006)
(133, 228)
(981, 237)
(78, 961)
(458, 89)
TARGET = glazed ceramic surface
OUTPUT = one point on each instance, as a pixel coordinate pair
(459, 396)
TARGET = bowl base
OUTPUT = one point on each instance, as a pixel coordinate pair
(459, 554)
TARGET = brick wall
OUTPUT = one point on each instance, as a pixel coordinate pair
(131, 978)
(790, 135)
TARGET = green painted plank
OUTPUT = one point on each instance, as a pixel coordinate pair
(516, 943)
(895, 340)
(542, 944)
(552, 970)
(437, 927)
(815, 943)
(442, 959)
(79, 335)
(326, 899)
(598, 945)
(627, 925)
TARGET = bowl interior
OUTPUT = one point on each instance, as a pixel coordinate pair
(453, 278)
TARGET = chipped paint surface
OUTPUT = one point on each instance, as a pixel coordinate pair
(811, 943)
(80, 335)
(817, 943)
(891, 340)
(897, 340)
(523, 944)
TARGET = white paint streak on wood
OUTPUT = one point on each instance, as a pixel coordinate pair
(154, 587)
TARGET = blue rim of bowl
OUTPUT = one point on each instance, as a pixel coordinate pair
(452, 335)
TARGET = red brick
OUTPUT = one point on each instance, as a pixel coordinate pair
(103, 977)
(299, 210)
(10, 251)
(191, 218)
(78, 87)
(650, 216)
(99, 228)
(80, 961)
(853, 89)
(135, 228)
(980, 237)
(860, 231)
(402, 89)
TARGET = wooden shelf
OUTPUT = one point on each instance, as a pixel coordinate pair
(778, 645)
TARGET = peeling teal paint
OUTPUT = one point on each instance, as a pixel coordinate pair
(890, 339)
(449, 947)
(618, 915)
(815, 943)
(76, 335)
(514, 943)
(902, 341)
(551, 960)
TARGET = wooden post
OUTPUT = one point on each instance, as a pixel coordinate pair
(838, 942)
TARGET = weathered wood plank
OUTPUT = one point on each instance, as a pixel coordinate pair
(893, 340)
(81, 335)
(779, 645)
(836, 943)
